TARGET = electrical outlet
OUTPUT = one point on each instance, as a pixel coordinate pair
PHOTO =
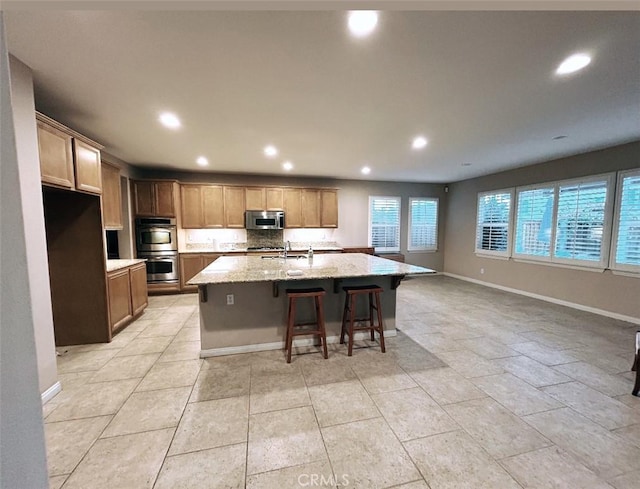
(229, 299)
(482, 271)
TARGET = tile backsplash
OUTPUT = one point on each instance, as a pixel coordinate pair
(223, 239)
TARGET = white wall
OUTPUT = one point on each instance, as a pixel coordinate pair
(22, 447)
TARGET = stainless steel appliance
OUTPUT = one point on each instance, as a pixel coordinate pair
(264, 220)
(162, 266)
(156, 234)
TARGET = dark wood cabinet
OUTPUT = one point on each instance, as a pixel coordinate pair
(154, 198)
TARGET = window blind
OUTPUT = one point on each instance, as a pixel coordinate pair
(627, 246)
(534, 222)
(423, 224)
(384, 223)
(492, 231)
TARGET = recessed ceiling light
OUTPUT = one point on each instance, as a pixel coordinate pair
(271, 151)
(362, 22)
(573, 63)
(202, 161)
(419, 142)
(365, 170)
(167, 119)
(287, 165)
(558, 137)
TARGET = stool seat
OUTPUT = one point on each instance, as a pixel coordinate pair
(316, 294)
(349, 319)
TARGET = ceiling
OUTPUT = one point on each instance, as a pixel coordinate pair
(480, 86)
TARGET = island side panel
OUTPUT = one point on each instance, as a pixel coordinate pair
(256, 321)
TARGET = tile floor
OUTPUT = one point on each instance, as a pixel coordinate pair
(480, 389)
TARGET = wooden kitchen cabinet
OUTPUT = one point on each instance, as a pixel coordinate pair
(201, 206)
(255, 198)
(154, 198)
(127, 294)
(111, 197)
(292, 207)
(328, 208)
(310, 208)
(191, 264)
(274, 199)
(234, 202)
(213, 206)
(68, 159)
(139, 292)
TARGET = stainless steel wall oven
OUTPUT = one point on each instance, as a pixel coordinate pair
(157, 242)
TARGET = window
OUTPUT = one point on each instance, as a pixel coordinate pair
(564, 222)
(423, 224)
(492, 229)
(384, 223)
(626, 244)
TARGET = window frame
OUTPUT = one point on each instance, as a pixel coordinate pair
(410, 225)
(615, 227)
(493, 253)
(370, 236)
(552, 238)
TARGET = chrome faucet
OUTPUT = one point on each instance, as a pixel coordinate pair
(287, 247)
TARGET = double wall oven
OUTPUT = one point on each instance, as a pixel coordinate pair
(157, 242)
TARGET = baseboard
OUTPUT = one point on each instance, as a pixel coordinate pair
(279, 345)
(51, 392)
(581, 307)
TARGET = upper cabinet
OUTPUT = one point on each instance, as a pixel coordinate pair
(201, 206)
(234, 202)
(154, 198)
(275, 199)
(329, 208)
(292, 207)
(310, 208)
(263, 199)
(111, 197)
(68, 159)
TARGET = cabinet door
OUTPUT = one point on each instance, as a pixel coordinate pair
(138, 284)
(310, 208)
(209, 258)
(213, 206)
(329, 208)
(190, 265)
(234, 207)
(143, 197)
(255, 199)
(275, 199)
(56, 156)
(119, 293)
(191, 206)
(111, 197)
(292, 208)
(88, 168)
(164, 199)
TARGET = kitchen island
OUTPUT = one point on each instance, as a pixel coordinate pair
(243, 304)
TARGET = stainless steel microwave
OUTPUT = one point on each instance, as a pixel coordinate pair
(264, 220)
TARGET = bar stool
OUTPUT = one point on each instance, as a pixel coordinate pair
(349, 319)
(317, 294)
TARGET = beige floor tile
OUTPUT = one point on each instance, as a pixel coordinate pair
(146, 411)
(611, 385)
(56, 481)
(84, 361)
(68, 441)
(327, 372)
(278, 391)
(446, 386)
(140, 346)
(629, 400)
(120, 340)
(544, 355)
(532, 372)
(552, 467)
(315, 474)
(605, 453)
(421, 484)
(172, 374)
(130, 461)
(282, 439)
(626, 481)
(71, 384)
(630, 433)
(129, 367)
(188, 334)
(488, 348)
(594, 405)
(179, 351)
(454, 460)
(99, 399)
(221, 382)
(612, 362)
(497, 430)
(415, 358)
(383, 377)
(438, 342)
(470, 364)
(342, 402)
(161, 329)
(222, 468)
(515, 394)
(369, 454)
(413, 414)
(211, 424)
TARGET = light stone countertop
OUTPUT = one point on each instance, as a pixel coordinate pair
(113, 265)
(246, 269)
(244, 249)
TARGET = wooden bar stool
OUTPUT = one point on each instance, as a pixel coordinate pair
(317, 294)
(348, 316)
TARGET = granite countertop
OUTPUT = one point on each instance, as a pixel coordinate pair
(243, 249)
(113, 265)
(246, 269)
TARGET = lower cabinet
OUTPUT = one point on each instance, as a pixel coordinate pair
(191, 264)
(127, 293)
